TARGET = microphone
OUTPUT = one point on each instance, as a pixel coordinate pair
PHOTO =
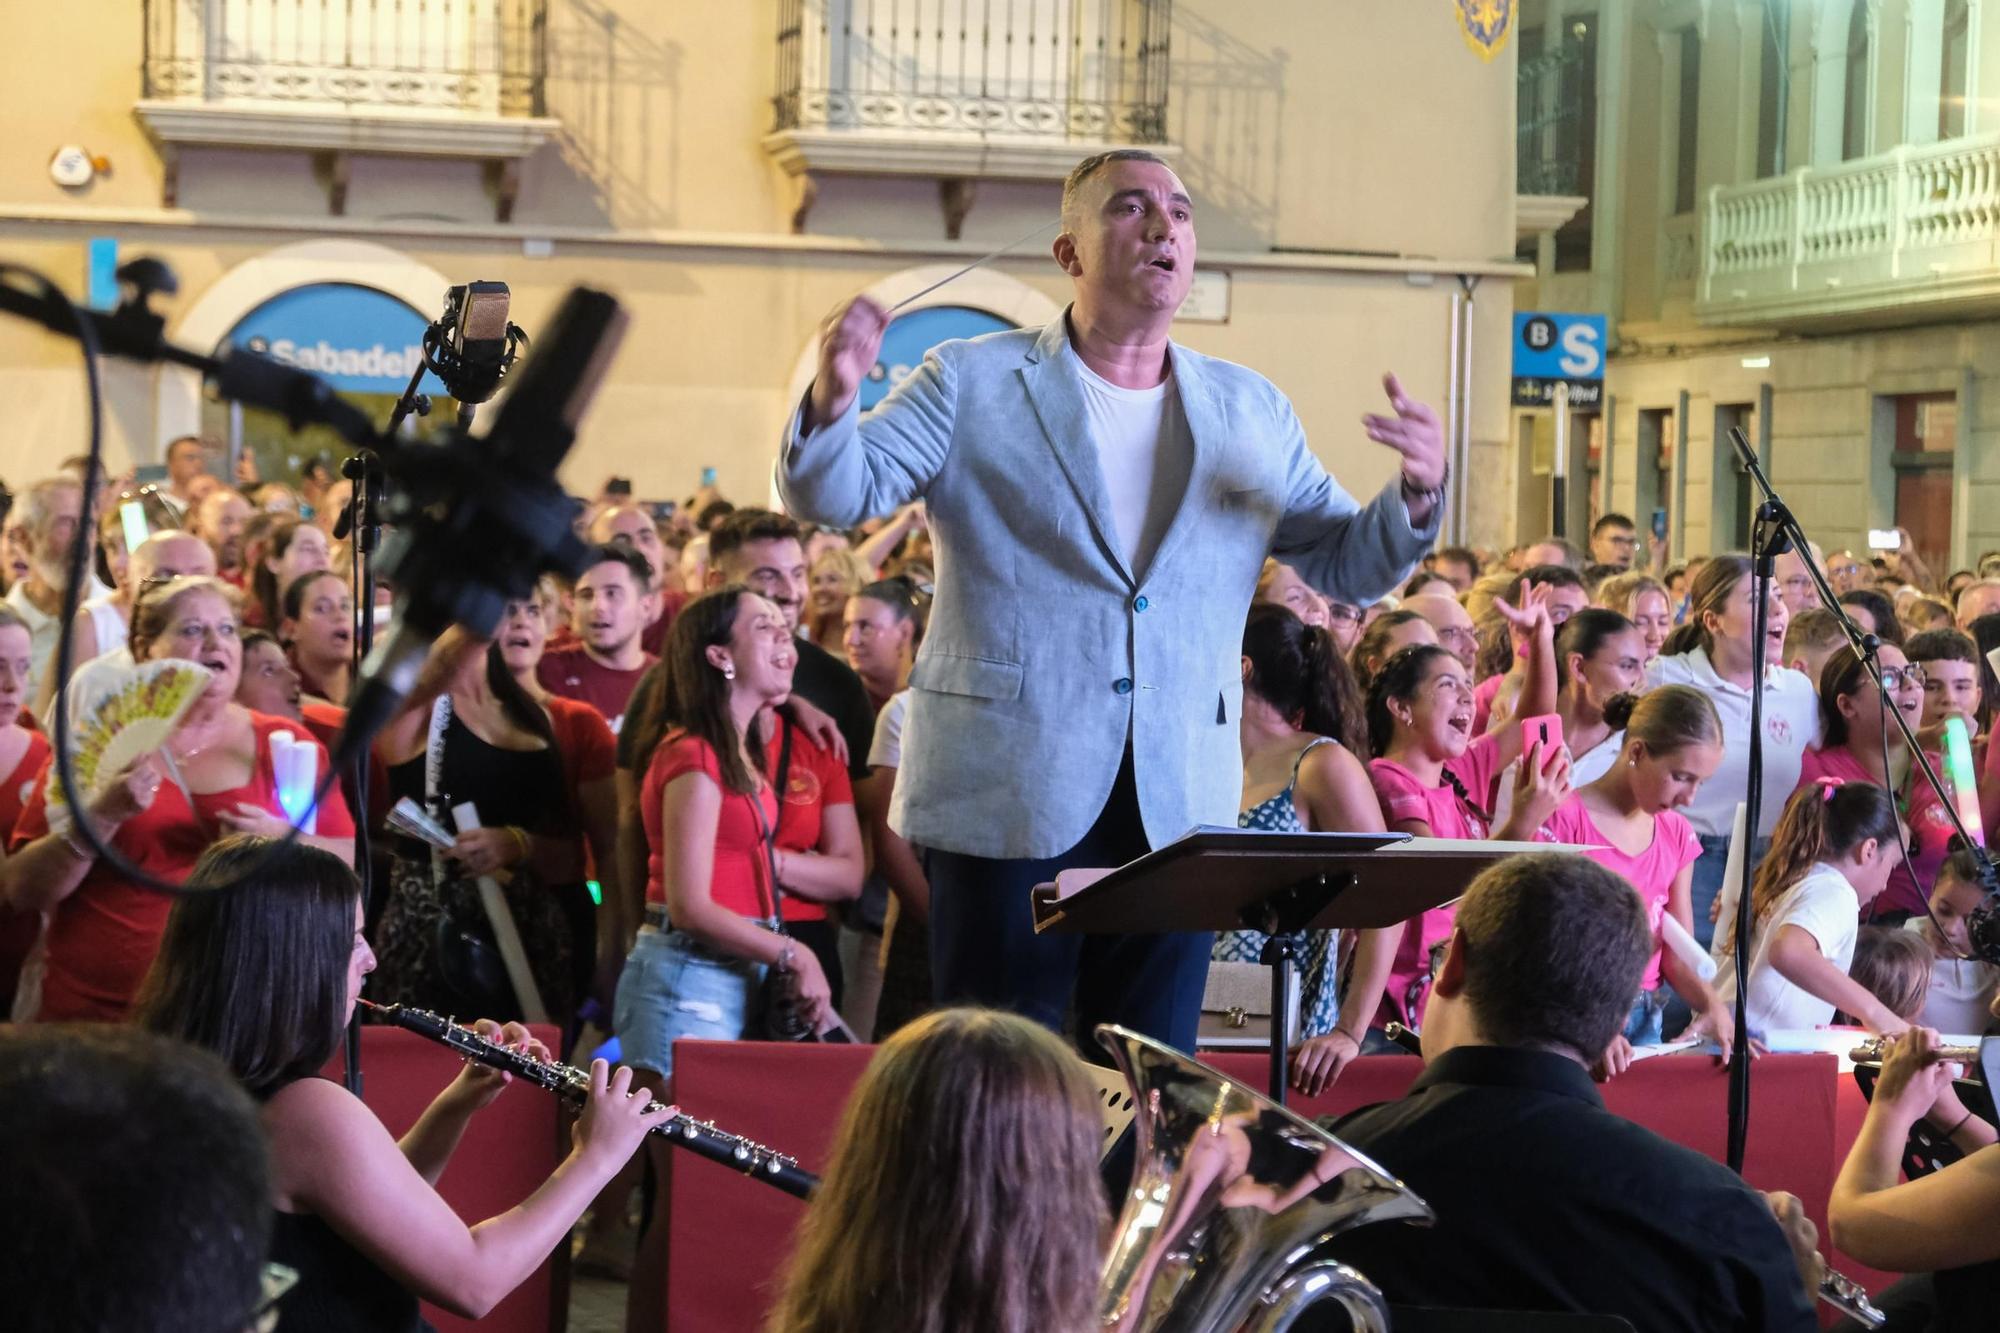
(478, 520)
(472, 345)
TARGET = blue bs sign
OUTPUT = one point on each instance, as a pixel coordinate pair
(1558, 349)
(915, 332)
(363, 340)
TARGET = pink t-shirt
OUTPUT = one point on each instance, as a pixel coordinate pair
(1652, 872)
(1930, 828)
(1404, 797)
(1483, 695)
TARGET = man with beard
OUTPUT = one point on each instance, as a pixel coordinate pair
(44, 525)
(219, 520)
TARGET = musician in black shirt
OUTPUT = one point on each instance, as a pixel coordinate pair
(1545, 1200)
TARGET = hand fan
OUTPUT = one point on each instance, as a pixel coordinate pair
(124, 715)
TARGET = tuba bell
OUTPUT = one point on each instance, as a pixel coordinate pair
(1231, 1196)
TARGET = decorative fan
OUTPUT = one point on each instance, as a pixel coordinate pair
(124, 715)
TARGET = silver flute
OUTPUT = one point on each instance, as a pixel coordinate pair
(1872, 1051)
(572, 1085)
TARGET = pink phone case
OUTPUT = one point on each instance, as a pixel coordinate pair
(1548, 728)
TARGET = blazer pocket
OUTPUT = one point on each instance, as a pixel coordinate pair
(977, 677)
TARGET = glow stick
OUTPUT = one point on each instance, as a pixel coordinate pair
(1959, 776)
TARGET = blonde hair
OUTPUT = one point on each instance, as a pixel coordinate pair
(854, 571)
(962, 1193)
(1621, 592)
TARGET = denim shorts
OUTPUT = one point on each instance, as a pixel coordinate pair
(1649, 1011)
(672, 988)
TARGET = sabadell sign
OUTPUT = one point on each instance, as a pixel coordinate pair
(361, 339)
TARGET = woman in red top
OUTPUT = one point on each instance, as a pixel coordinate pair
(213, 777)
(21, 754)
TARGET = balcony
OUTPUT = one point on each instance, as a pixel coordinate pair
(998, 90)
(1903, 236)
(1552, 141)
(433, 78)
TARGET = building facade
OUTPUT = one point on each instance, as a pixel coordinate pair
(1791, 224)
(731, 171)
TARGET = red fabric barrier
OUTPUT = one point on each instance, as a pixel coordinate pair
(508, 1150)
(730, 1236)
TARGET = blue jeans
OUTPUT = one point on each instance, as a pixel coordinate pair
(672, 988)
(1644, 1024)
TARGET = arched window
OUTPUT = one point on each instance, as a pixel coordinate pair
(1854, 111)
(1954, 66)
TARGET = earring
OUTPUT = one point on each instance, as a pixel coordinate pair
(729, 673)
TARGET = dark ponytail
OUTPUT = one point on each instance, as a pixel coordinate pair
(1821, 822)
(1583, 634)
(1398, 679)
(1843, 674)
(1711, 590)
(1298, 670)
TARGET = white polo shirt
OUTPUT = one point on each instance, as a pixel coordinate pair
(1791, 726)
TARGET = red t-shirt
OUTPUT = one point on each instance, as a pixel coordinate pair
(573, 673)
(741, 878)
(103, 936)
(815, 781)
(18, 930)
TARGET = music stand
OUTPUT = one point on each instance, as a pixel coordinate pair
(1220, 879)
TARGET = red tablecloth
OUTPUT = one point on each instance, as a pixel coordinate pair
(730, 1236)
(508, 1150)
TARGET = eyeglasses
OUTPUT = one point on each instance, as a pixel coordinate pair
(1342, 614)
(1894, 678)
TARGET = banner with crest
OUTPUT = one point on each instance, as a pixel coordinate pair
(1485, 24)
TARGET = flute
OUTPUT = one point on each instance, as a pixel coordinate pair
(1872, 1051)
(572, 1085)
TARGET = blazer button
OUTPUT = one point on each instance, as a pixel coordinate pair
(1123, 685)
(1140, 603)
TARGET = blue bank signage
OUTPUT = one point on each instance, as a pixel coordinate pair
(361, 339)
(1552, 349)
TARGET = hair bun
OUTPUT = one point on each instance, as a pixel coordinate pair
(1618, 710)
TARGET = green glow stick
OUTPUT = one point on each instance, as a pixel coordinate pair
(1958, 772)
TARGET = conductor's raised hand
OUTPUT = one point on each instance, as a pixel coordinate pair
(850, 341)
(1414, 432)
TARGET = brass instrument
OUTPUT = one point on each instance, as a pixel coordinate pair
(1231, 1196)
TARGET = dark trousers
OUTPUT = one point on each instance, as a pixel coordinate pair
(823, 938)
(984, 949)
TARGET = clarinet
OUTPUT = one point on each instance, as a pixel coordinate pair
(572, 1085)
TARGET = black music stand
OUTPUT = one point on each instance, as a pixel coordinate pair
(1218, 879)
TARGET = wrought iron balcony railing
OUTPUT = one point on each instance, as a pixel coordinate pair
(1092, 71)
(1549, 132)
(470, 57)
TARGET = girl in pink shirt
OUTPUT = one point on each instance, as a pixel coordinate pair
(1630, 819)
(1426, 771)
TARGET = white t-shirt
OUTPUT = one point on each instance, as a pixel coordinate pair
(1791, 727)
(43, 631)
(1824, 905)
(886, 750)
(1143, 453)
(1961, 990)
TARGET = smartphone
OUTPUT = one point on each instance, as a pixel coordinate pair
(1884, 539)
(708, 476)
(662, 510)
(618, 486)
(1547, 729)
(1659, 525)
(132, 518)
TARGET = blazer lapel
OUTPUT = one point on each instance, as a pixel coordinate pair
(1057, 395)
(1206, 441)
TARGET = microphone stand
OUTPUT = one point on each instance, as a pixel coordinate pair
(364, 471)
(1776, 528)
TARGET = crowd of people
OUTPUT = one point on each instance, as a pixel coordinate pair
(736, 780)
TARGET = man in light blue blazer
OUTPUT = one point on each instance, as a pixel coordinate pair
(1101, 502)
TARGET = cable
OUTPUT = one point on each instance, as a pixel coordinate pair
(72, 599)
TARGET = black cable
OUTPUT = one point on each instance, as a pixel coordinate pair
(72, 598)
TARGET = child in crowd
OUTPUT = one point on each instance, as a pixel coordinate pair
(1896, 967)
(1630, 819)
(1813, 636)
(1830, 856)
(1427, 768)
(1948, 661)
(1961, 987)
